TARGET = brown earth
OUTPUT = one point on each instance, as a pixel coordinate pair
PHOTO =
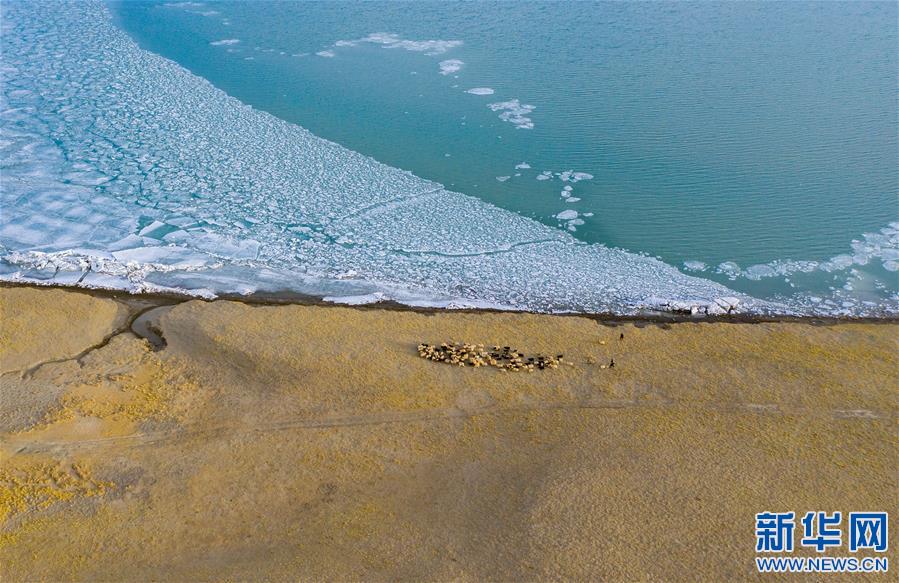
(307, 442)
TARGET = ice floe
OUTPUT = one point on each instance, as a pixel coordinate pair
(572, 176)
(882, 246)
(515, 112)
(450, 66)
(394, 41)
(225, 42)
(480, 91)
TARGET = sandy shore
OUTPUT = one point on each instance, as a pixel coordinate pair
(310, 442)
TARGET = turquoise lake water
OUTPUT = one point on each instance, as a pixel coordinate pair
(749, 144)
(715, 132)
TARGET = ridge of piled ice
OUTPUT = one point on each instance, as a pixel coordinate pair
(122, 169)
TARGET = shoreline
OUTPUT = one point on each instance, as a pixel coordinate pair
(287, 298)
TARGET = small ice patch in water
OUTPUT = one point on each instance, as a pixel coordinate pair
(695, 266)
(522, 166)
(567, 215)
(515, 112)
(394, 41)
(225, 42)
(450, 66)
(572, 176)
(480, 91)
(729, 268)
(184, 5)
(503, 178)
(757, 272)
(327, 54)
(574, 224)
(883, 245)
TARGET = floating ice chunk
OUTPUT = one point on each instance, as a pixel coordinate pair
(729, 268)
(572, 176)
(515, 112)
(567, 188)
(572, 199)
(574, 224)
(184, 4)
(757, 272)
(503, 178)
(567, 215)
(450, 66)
(225, 42)
(522, 166)
(891, 265)
(394, 41)
(480, 91)
(326, 53)
(695, 266)
(838, 263)
(545, 175)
